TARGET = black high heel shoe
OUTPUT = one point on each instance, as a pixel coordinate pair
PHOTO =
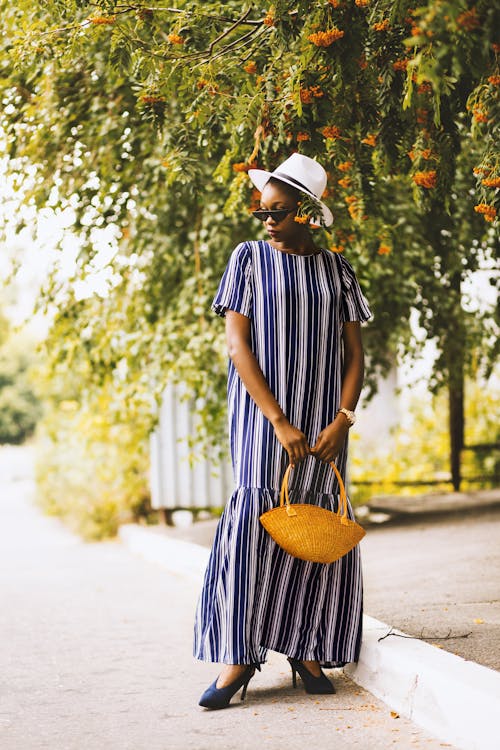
(315, 685)
(215, 697)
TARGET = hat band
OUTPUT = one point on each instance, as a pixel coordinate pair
(291, 179)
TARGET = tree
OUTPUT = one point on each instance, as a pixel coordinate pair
(147, 118)
(19, 405)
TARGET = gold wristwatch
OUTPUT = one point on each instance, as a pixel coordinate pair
(349, 415)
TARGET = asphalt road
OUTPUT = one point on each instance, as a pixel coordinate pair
(439, 580)
(95, 654)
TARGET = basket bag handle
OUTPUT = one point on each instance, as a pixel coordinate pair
(285, 498)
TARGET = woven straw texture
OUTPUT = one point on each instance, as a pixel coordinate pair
(310, 532)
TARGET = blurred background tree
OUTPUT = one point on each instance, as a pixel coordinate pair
(145, 120)
(20, 407)
(418, 457)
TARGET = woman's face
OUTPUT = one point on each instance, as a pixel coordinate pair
(275, 197)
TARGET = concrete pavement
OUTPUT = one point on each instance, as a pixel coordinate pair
(432, 572)
(95, 650)
(439, 580)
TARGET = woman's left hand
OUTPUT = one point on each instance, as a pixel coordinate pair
(330, 440)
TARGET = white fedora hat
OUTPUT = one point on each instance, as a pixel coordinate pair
(300, 172)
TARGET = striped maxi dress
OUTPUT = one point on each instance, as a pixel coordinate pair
(255, 596)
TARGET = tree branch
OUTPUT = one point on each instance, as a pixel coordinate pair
(228, 31)
(222, 19)
(123, 10)
(421, 637)
(240, 42)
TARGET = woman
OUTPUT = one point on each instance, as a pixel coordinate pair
(293, 314)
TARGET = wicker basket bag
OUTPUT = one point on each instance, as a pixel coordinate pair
(310, 532)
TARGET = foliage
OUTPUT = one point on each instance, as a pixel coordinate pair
(19, 406)
(146, 118)
(91, 470)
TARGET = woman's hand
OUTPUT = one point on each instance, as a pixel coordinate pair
(331, 439)
(292, 439)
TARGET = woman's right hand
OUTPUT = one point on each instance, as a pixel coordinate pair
(292, 439)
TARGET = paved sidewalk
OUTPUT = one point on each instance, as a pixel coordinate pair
(431, 572)
(95, 650)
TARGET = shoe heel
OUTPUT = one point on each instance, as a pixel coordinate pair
(244, 691)
(314, 685)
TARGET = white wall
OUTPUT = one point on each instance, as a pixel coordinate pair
(175, 481)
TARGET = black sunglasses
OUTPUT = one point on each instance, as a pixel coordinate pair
(276, 216)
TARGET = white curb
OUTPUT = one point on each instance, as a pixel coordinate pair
(175, 555)
(456, 700)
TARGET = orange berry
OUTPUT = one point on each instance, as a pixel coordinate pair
(468, 20)
(480, 115)
(344, 182)
(102, 20)
(330, 131)
(400, 64)
(426, 179)
(382, 25)
(152, 99)
(489, 212)
(370, 140)
(175, 39)
(326, 38)
(492, 182)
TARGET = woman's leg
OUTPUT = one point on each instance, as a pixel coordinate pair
(313, 667)
(230, 673)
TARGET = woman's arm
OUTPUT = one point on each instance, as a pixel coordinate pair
(239, 348)
(331, 439)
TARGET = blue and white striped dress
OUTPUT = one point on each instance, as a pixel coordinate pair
(255, 596)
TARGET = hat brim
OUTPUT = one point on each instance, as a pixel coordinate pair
(260, 178)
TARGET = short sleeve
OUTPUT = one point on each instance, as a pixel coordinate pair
(235, 288)
(354, 304)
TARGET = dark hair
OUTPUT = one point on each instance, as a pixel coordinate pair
(293, 192)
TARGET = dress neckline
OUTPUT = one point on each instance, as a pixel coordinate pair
(295, 255)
